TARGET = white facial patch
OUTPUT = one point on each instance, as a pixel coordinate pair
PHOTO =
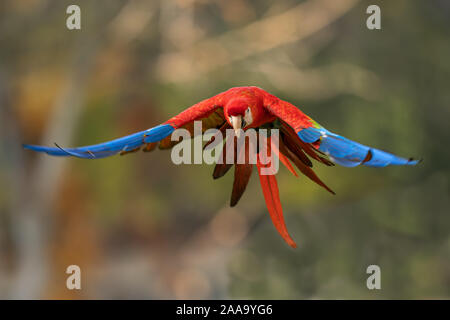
(248, 117)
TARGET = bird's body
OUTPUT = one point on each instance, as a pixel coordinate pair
(301, 138)
(236, 101)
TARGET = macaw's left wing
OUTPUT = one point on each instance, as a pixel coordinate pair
(209, 111)
(342, 151)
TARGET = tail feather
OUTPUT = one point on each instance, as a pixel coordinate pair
(222, 167)
(242, 174)
(271, 195)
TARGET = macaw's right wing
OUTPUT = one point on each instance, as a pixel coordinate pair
(209, 111)
(341, 150)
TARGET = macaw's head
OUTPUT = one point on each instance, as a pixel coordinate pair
(239, 114)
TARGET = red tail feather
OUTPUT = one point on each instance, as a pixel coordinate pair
(269, 187)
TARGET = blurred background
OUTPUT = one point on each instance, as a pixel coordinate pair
(141, 227)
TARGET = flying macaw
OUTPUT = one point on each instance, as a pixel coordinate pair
(301, 138)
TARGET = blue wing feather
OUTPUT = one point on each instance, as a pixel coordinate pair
(106, 149)
(349, 153)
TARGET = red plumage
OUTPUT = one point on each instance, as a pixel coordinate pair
(301, 138)
(265, 108)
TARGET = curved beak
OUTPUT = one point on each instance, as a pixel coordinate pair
(236, 122)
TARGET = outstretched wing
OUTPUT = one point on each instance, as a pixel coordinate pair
(341, 150)
(209, 111)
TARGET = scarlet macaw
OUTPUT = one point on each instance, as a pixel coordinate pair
(244, 108)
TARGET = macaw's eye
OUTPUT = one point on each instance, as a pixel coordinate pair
(248, 110)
